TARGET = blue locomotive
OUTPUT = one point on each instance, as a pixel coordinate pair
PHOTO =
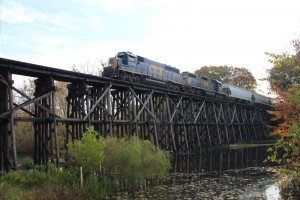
(194, 82)
(130, 67)
(134, 68)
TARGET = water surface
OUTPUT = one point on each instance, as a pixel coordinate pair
(216, 174)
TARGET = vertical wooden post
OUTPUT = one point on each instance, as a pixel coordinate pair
(7, 130)
(12, 123)
(44, 148)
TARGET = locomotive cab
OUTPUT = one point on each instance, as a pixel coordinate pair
(122, 57)
(216, 86)
(122, 61)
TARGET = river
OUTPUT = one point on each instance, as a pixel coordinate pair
(215, 174)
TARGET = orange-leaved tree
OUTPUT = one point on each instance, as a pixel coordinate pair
(284, 79)
(287, 111)
(240, 77)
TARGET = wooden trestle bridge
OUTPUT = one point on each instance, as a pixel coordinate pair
(175, 121)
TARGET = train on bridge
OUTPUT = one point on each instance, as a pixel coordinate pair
(130, 67)
(197, 114)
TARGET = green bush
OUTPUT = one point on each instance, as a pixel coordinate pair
(134, 159)
(92, 187)
(27, 163)
(12, 178)
(9, 192)
(35, 178)
(131, 159)
(87, 152)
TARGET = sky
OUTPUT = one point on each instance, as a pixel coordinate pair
(185, 34)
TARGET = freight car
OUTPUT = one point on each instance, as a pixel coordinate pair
(239, 94)
(262, 100)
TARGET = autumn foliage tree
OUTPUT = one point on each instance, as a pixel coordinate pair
(240, 77)
(287, 110)
(284, 78)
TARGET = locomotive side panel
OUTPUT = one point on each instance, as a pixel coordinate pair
(205, 82)
(156, 70)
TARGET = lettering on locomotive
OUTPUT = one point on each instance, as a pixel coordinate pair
(205, 83)
(153, 69)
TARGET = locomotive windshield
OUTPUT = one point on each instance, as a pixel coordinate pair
(121, 55)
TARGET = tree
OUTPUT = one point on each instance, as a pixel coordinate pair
(287, 110)
(284, 81)
(287, 149)
(240, 77)
(243, 78)
(89, 68)
(285, 72)
(24, 130)
(219, 73)
(60, 98)
(286, 68)
(88, 152)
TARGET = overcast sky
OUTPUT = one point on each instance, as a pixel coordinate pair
(185, 34)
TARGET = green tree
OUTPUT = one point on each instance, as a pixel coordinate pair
(220, 73)
(88, 152)
(286, 68)
(240, 77)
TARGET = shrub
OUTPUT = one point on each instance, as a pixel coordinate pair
(87, 152)
(135, 159)
(12, 178)
(68, 177)
(27, 162)
(35, 178)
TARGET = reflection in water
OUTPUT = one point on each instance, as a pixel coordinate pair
(211, 160)
(272, 192)
(216, 174)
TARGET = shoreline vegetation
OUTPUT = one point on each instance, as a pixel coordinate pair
(285, 85)
(97, 168)
(50, 182)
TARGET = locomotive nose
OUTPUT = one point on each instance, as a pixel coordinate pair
(113, 62)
